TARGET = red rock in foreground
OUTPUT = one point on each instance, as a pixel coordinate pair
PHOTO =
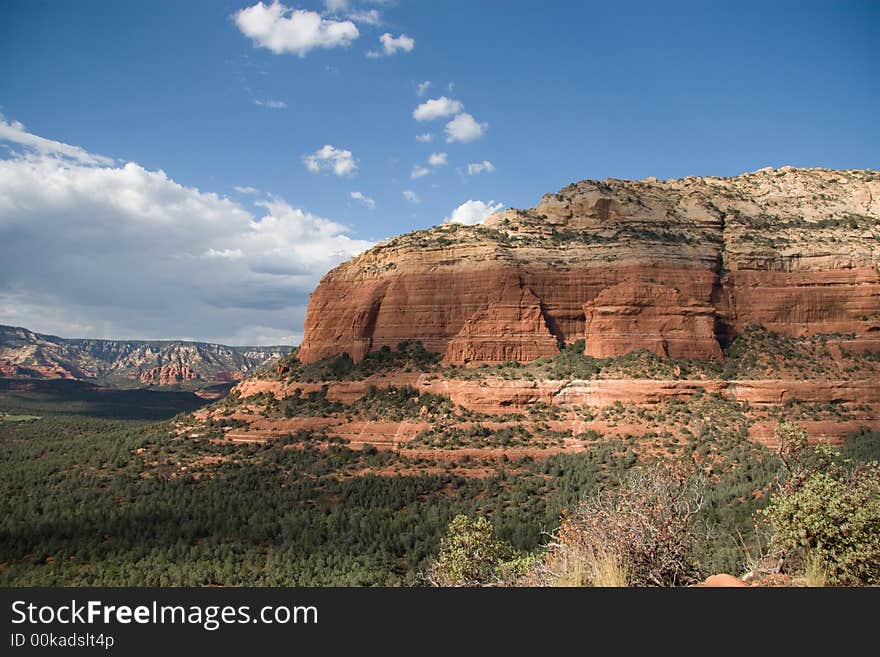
(723, 581)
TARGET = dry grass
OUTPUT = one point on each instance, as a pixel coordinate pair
(575, 568)
(815, 575)
(608, 570)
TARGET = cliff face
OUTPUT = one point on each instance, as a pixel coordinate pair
(24, 353)
(677, 267)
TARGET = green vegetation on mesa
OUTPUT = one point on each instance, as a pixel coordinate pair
(408, 357)
(756, 353)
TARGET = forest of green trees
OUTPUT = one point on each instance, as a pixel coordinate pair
(89, 499)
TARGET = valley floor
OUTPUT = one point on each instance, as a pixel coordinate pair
(343, 474)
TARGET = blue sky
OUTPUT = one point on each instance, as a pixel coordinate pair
(217, 100)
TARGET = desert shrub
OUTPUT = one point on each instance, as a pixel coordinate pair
(833, 518)
(826, 511)
(470, 555)
(644, 532)
(825, 514)
(409, 356)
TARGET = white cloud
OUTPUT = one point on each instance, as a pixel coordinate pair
(246, 189)
(228, 254)
(422, 87)
(336, 5)
(418, 171)
(366, 200)
(425, 137)
(16, 133)
(437, 108)
(125, 252)
(464, 128)
(282, 29)
(471, 213)
(392, 44)
(271, 104)
(411, 196)
(437, 159)
(331, 159)
(367, 17)
(475, 168)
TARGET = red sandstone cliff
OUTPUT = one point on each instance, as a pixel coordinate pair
(672, 266)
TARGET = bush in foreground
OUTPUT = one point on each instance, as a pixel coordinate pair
(643, 533)
(471, 556)
(825, 513)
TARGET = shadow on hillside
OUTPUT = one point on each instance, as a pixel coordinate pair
(66, 397)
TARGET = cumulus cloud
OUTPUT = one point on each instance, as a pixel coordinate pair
(329, 159)
(464, 128)
(411, 196)
(437, 159)
(15, 133)
(418, 171)
(425, 137)
(392, 44)
(472, 213)
(271, 104)
(365, 200)
(282, 29)
(475, 168)
(437, 108)
(422, 87)
(94, 249)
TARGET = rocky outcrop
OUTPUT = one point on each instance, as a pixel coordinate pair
(633, 316)
(168, 375)
(511, 327)
(677, 267)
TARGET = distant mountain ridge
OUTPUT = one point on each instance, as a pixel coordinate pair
(128, 363)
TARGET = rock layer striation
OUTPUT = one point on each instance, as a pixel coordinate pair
(677, 267)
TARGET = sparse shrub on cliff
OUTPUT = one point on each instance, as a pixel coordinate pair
(402, 402)
(477, 435)
(314, 403)
(410, 356)
(826, 512)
